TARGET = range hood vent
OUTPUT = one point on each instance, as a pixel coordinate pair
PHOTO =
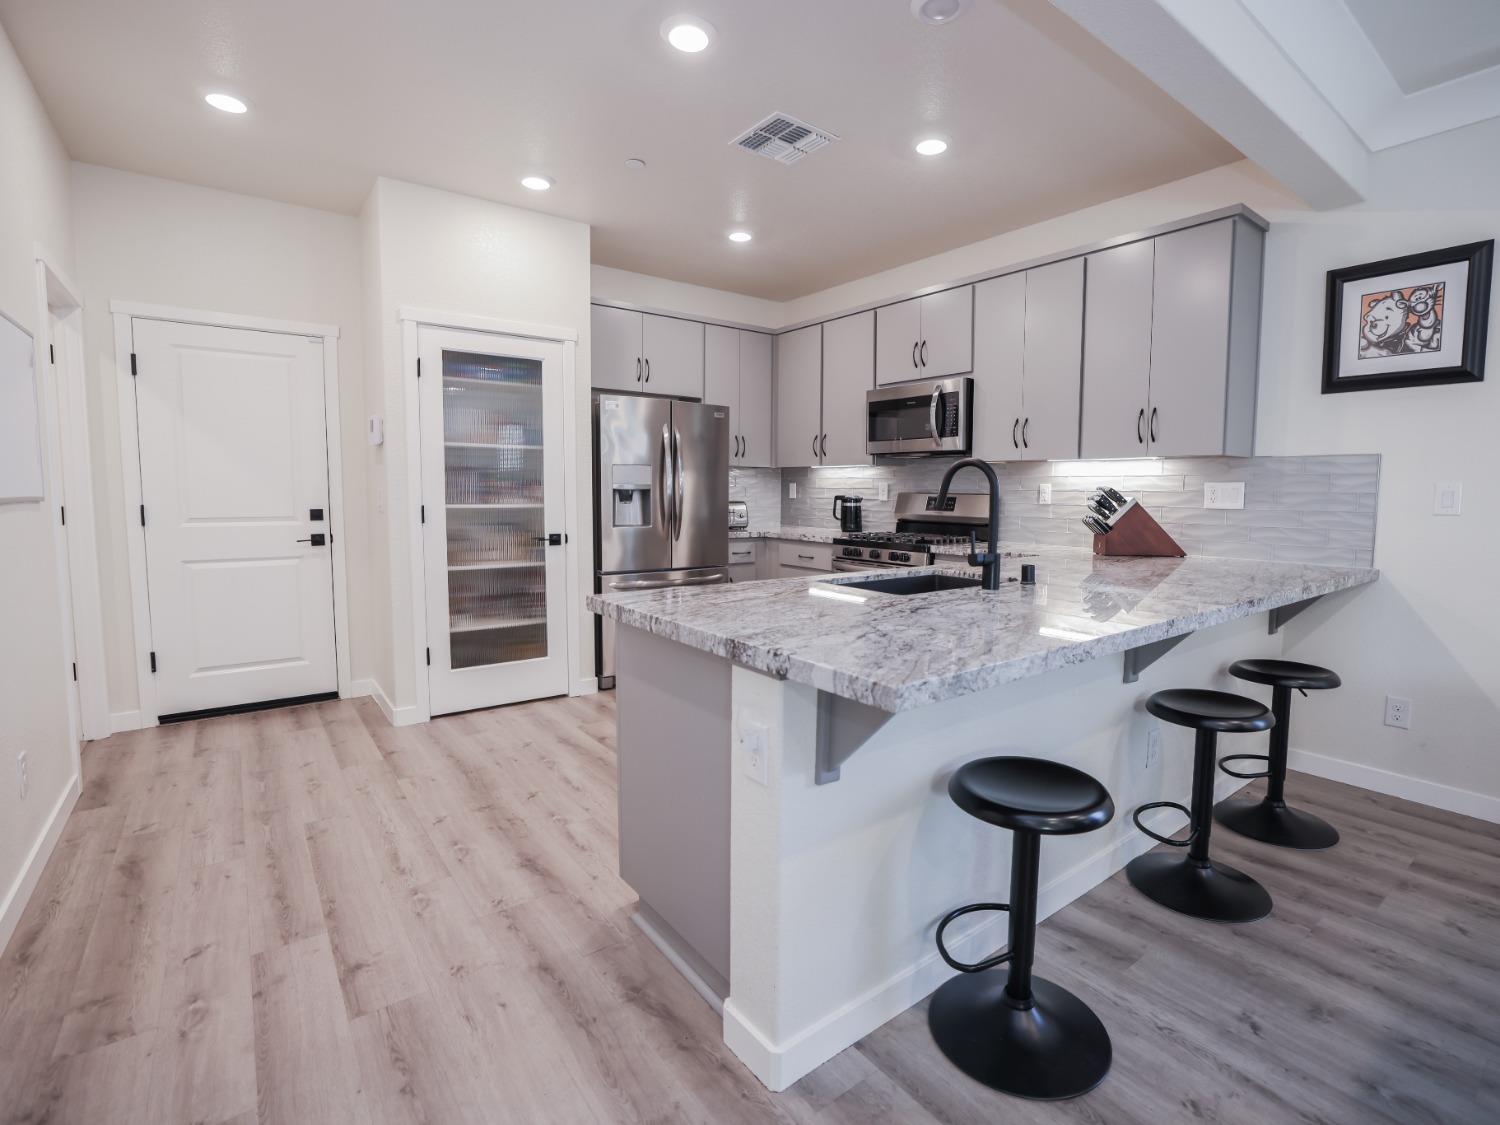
(783, 138)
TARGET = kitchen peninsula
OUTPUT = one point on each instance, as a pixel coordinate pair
(784, 748)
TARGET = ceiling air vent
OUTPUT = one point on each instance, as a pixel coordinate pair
(783, 138)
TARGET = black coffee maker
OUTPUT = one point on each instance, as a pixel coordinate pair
(850, 512)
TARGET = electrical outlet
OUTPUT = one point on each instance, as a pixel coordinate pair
(883, 490)
(1397, 712)
(23, 772)
(1044, 493)
(791, 490)
(753, 742)
(1230, 494)
(1153, 746)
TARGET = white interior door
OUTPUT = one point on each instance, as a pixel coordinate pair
(492, 483)
(234, 475)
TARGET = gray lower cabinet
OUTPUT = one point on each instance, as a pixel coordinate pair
(1171, 335)
(745, 560)
(797, 559)
(1028, 363)
(799, 397)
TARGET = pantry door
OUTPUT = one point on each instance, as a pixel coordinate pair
(493, 511)
(234, 479)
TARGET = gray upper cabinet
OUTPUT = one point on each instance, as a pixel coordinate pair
(737, 374)
(999, 366)
(633, 351)
(848, 372)
(799, 397)
(754, 426)
(1170, 344)
(673, 353)
(1028, 363)
(615, 348)
(1052, 388)
(928, 337)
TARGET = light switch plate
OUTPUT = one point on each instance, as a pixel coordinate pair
(1448, 498)
(1224, 494)
(791, 490)
(883, 490)
(1044, 493)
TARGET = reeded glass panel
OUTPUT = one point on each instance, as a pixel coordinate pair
(497, 578)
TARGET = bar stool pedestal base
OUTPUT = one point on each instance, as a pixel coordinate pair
(1217, 892)
(1055, 1049)
(1276, 824)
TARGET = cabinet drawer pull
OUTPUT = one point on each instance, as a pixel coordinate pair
(809, 558)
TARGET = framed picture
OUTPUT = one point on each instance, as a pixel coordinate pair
(1408, 321)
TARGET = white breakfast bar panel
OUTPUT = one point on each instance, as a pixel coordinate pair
(836, 888)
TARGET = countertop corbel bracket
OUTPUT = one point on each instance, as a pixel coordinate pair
(1138, 659)
(1284, 613)
(855, 725)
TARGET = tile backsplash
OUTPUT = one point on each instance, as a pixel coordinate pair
(1317, 509)
(761, 491)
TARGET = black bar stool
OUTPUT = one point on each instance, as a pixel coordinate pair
(1270, 819)
(1193, 883)
(1021, 1034)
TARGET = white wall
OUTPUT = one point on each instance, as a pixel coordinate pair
(161, 242)
(33, 703)
(658, 294)
(436, 250)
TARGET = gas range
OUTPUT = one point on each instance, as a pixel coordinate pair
(922, 527)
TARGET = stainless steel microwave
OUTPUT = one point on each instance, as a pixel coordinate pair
(933, 416)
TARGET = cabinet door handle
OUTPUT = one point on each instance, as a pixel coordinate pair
(914, 353)
(1139, 421)
(1014, 427)
(815, 445)
(648, 369)
(924, 353)
(1153, 424)
(1026, 425)
(637, 369)
(825, 445)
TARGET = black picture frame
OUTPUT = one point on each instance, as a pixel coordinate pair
(1470, 367)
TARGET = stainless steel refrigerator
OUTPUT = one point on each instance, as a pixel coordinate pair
(661, 499)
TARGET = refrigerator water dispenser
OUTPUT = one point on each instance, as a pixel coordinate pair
(631, 487)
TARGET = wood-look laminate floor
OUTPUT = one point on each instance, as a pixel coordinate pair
(308, 916)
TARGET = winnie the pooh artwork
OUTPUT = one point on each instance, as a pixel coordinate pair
(1401, 321)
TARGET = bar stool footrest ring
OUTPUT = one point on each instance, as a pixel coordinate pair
(963, 966)
(1224, 765)
(1157, 836)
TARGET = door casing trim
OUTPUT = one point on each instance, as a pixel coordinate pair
(123, 312)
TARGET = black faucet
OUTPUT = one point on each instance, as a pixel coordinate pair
(989, 559)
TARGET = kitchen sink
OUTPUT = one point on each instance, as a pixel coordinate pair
(914, 583)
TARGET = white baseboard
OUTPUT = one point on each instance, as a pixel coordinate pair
(778, 1065)
(121, 721)
(1432, 793)
(396, 716)
(31, 871)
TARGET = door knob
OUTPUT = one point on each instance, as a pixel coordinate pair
(317, 539)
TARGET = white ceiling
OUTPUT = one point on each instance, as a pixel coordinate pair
(1429, 43)
(468, 95)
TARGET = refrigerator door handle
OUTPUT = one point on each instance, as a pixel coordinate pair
(665, 479)
(678, 484)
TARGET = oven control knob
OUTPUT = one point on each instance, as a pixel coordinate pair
(851, 552)
(874, 554)
(899, 556)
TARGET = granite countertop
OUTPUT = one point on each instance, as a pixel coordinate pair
(896, 653)
(803, 534)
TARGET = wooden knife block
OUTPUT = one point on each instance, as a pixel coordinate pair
(1137, 533)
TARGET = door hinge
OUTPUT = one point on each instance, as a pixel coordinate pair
(132, 365)
(153, 663)
(429, 658)
(75, 671)
(143, 515)
(51, 353)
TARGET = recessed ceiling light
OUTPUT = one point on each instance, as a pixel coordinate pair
(687, 33)
(635, 163)
(938, 12)
(536, 183)
(227, 102)
(739, 236)
(932, 146)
